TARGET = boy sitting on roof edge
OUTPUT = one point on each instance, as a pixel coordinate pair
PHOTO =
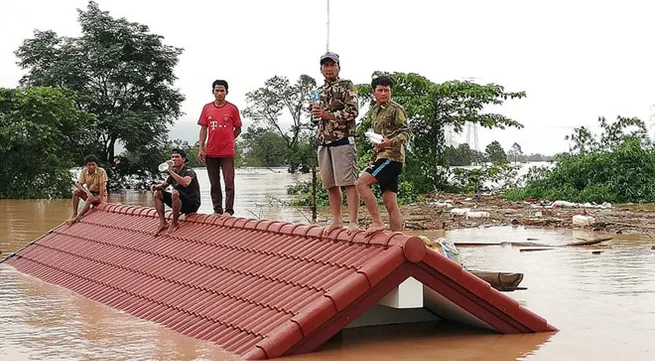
(95, 179)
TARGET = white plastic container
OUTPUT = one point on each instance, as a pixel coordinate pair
(582, 220)
(460, 211)
(477, 215)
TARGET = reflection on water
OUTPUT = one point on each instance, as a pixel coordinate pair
(602, 303)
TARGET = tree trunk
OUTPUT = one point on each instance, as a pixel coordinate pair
(110, 150)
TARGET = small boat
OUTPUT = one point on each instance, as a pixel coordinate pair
(502, 281)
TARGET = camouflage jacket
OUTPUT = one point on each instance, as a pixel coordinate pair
(390, 120)
(340, 99)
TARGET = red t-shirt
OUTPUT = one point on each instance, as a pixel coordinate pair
(220, 123)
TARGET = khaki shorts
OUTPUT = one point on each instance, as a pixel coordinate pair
(338, 165)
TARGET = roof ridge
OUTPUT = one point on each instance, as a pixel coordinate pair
(305, 230)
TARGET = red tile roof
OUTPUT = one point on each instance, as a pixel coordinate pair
(260, 289)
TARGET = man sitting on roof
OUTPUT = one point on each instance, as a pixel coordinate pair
(185, 197)
(95, 180)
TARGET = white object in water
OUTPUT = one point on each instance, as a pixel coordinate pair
(582, 220)
(477, 215)
(440, 204)
(163, 167)
(460, 211)
(564, 204)
(374, 137)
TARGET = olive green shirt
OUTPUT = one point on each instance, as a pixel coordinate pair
(390, 120)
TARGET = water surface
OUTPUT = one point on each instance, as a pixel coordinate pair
(603, 304)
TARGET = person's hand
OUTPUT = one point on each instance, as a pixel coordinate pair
(319, 112)
(89, 195)
(155, 187)
(201, 155)
(171, 164)
(386, 143)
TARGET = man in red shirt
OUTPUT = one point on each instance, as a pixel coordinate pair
(220, 125)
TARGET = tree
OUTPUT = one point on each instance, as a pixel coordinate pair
(430, 107)
(123, 74)
(42, 135)
(268, 107)
(460, 156)
(264, 148)
(515, 152)
(612, 135)
(495, 152)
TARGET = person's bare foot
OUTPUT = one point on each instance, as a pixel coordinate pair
(172, 228)
(71, 221)
(162, 226)
(375, 228)
(352, 227)
(327, 230)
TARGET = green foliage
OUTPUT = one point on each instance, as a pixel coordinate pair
(495, 153)
(612, 135)
(515, 153)
(463, 155)
(264, 148)
(303, 194)
(122, 73)
(42, 135)
(615, 166)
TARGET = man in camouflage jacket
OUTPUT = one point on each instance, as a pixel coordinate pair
(337, 159)
(389, 119)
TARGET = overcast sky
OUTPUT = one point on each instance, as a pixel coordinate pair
(576, 60)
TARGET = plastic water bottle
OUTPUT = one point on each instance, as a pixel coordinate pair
(315, 100)
(163, 167)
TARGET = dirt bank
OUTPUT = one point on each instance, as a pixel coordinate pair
(434, 214)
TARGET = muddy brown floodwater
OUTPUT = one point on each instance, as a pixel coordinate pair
(603, 304)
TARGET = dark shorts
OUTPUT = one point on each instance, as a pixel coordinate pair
(188, 204)
(95, 194)
(386, 172)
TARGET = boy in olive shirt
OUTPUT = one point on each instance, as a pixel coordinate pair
(95, 179)
(389, 119)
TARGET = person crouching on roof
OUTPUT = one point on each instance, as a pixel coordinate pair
(185, 197)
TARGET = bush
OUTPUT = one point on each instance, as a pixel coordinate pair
(624, 174)
(303, 194)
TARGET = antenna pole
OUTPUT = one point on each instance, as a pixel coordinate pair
(327, 43)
